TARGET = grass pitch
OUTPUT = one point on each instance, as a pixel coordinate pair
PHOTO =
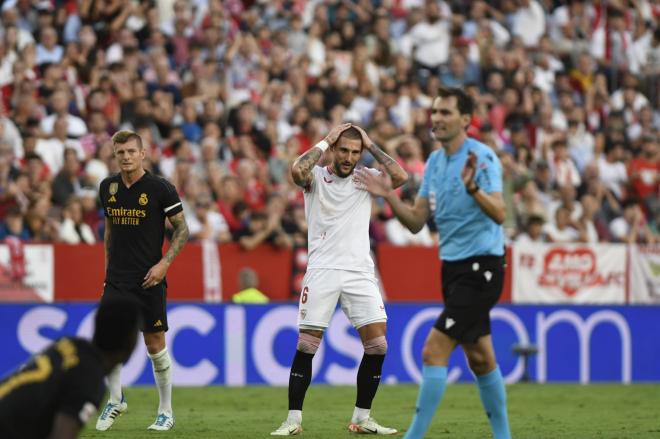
(535, 411)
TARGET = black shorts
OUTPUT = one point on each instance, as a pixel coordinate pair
(470, 287)
(153, 301)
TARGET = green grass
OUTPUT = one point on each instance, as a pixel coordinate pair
(535, 412)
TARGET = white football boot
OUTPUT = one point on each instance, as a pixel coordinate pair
(288, 428)
(164, 421)
(370, 426)
(110, 413)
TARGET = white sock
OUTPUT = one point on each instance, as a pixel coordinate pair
(114, 384)
(360, 415)
(295, 416)
(162, 366)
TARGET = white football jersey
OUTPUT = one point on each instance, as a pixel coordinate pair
(338, 213)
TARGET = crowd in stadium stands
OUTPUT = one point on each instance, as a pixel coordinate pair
(226, 94)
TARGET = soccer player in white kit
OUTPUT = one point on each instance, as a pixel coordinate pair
(339, 269)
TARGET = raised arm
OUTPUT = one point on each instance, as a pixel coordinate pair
(492, 204)
(301, 170)
(413, 217)
(398, 175)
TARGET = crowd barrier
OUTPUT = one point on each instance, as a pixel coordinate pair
(253, 344)
(535, 273)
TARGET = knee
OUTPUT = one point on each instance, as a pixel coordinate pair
(375, 346)
(429, 354)
(154, 345)
(480, 364)
(308, 343)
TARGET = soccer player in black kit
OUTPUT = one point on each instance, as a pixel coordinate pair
(136, 203)
(56, 392)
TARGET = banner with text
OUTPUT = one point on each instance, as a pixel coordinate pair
(238, 345)
(645, 274)
(570, 273)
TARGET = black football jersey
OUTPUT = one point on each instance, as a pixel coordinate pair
(137, 223)
(67, 377)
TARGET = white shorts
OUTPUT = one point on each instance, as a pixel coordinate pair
(356, 291)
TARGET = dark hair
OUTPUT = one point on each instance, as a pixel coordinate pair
(116, 323)
(464, 101)
(351, 133)
(629, 202)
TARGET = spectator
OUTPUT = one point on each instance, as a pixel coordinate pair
(14, 225)
(533, 231)
(73, 229)
(528, 22)
(612, 170)
(262, 229)
(59, 104)
(67, 182)
(644, 175)
(207, 224)
(48, 51)
(560, 231)
(248, 284)
(632, 227)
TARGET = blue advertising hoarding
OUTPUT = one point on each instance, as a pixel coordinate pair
(238, 345)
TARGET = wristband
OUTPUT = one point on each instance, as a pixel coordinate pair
(322, 145)
(473, 191)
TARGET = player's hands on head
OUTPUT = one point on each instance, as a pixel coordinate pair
(378, 185)
(334, 133)
(366, 141)
(469, 170)
(156, 274)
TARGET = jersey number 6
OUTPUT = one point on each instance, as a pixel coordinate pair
(303, 296)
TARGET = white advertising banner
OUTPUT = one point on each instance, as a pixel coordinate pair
(26, 272)
(569, 273)
(645, 274)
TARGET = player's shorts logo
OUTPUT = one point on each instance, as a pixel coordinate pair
(143, 200)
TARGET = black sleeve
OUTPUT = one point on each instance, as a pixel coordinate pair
(171, 202)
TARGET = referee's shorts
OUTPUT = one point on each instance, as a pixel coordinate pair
(470, 288)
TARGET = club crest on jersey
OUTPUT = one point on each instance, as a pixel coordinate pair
(143, 200)
(113, 190)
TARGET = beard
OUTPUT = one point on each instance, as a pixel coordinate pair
(340, 172)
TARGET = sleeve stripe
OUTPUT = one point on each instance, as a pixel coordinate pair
(167, 209)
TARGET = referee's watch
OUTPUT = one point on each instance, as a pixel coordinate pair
(474, 189)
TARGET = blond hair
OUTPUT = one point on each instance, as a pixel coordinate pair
(124, 136)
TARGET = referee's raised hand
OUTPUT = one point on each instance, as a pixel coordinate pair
(469, 171)
(378, 185)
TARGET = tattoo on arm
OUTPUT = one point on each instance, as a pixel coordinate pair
(302, 167)
(179, 237)
(381, 156)
(398, 174)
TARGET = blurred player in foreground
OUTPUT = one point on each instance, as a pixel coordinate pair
(136, 203)
(58, 390)
(340, 268)
(462, 189)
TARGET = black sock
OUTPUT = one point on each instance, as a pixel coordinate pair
(368, 378)
(301, 376)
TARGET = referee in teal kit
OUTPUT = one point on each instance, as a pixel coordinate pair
(462, 189)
